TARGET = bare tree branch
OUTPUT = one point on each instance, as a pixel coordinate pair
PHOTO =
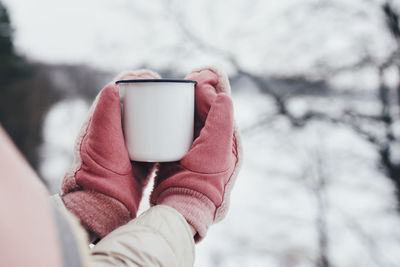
(383, 143)
(373, 248)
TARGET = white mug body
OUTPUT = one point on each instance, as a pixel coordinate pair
(157, 118)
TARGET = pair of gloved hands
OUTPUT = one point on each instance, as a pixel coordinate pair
(103, 187)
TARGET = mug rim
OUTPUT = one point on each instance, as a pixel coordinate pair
(155, 81)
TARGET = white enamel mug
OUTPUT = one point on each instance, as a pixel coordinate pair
(157, 118)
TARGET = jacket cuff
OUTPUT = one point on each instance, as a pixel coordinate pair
(198, 210)
(158, 237)
(97, 212)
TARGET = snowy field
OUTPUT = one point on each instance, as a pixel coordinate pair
(291, 178)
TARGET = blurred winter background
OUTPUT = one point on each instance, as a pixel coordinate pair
(316, 86)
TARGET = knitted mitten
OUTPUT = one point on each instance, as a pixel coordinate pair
(199, 185)
(103, 187)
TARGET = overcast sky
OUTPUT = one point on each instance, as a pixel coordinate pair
(274, 37)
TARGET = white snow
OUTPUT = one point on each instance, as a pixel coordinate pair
(60, 129)
(272, 217)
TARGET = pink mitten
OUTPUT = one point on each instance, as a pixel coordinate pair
(103, 187)
(199, 185)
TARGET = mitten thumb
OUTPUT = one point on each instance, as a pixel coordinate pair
(105, 142)
(211, 152)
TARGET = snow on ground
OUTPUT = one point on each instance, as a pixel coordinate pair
(60, 129)
(272, 219)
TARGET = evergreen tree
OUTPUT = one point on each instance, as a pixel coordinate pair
(12, 66)
(25, 94)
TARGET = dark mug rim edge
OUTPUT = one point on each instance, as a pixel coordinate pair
(155, 80)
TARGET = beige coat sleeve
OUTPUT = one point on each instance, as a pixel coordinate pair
(159, 237)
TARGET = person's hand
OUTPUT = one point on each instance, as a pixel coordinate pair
(103, 187)
(199, 185)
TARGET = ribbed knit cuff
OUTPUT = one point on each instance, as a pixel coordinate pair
(197, 209)
(98, 213)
